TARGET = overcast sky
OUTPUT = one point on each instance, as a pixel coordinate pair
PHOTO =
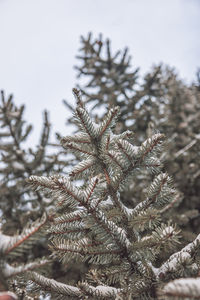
(40, 38)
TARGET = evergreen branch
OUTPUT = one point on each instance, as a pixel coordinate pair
(124, 136)
(55, 183)
(79, 250)
(149, 145)
(159, 193)
(136, 156)
(109, 121)
(54, 286)
(93, 232)
(58, 186)
(165, 236)
(183, 288)
(91, 189)
(144, 219)
(80, 150)
(82, 167)
(16, 245)
(177, 258)
(113, 232)
(128, 150)
(171, 204)
(10, 271)
(113, 274)
(77, 95)
(114, 156)
(69, 226)
(39, 155)
(57, 231)
(77, 138)
(70, 217)
(85, 123)
(100, 291)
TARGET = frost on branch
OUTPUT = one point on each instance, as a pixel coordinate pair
(121, 245)
(159, 100)
(183, 288)
(181, 262)
(13, 248)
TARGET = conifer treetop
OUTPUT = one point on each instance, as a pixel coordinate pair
(93, 225)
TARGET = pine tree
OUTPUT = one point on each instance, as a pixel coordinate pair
(22, 211)
(161, 101)
(12, 251)
(109, 221)
(131, 253)
(18, 203)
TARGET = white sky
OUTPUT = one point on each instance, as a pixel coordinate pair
(40, 38)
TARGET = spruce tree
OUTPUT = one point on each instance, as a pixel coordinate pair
(18, 203)
(158, 101)
(23, 211)
(131, 253)
(110, 220)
